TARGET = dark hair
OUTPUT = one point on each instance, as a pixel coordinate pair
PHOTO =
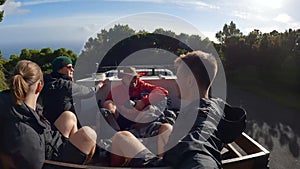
(202, 65)
(26, 73)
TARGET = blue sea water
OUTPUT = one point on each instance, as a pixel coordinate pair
(9, 49)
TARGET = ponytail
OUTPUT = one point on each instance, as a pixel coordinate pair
(19, 88)
(26, 74)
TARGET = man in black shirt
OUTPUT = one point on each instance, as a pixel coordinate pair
(60, 90)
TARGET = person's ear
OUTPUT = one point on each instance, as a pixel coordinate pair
(190, 80)
(39, 87)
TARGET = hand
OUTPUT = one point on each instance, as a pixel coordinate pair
(101, 84)
(139, 105)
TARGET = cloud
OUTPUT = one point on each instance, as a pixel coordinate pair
(284, 18)
(154, 1)
(11, 7)
(191, 3)
(77, 28)
(248, 16)
(287, 21)
(38, 2)
(196, 4)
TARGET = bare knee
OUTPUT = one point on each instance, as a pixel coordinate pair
(84, 139)
(66, 123)
(121, 135)
(165, 127)
(66, 115)
(88, 134)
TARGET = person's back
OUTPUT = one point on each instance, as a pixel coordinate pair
(28, 138)
(212, 128)
(24, 133)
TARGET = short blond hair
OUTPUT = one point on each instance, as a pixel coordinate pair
(203, 66)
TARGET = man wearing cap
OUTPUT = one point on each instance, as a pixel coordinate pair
(59, 89)
(133, 100)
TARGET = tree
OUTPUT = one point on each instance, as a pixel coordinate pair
(42, 57)
(96, 47)
(3, 85)
(228, 31)
(253, 38)
(121, 41)
(1, 12)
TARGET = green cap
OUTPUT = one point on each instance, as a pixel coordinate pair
(60, 62)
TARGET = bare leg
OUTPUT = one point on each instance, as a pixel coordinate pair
(66, 123)
(85, 140)
(164, 133)
(124, 147)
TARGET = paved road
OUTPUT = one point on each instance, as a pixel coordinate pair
(275, 126)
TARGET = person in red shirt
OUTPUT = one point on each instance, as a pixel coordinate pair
(132, 100)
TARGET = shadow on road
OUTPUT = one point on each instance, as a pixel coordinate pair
(264, 132)
(275, 126)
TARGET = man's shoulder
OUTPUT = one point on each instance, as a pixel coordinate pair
(56, 76)
(53, 82)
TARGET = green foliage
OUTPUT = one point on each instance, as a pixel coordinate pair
(3, 84)
(1, 15)
(227, 32)
(2, 2)
(42, 57)
(1, 12)
(121, 41)
(269, 58)
(263, 62)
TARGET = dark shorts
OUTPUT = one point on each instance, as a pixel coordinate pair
(102, 153)
(145, 159)
(68, 153)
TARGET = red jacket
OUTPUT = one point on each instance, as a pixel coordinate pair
(120, 94)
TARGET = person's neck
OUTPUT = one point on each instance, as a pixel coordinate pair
(30, 101)
(204, 94)
(195, 96)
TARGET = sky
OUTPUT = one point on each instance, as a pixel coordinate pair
(69, 23)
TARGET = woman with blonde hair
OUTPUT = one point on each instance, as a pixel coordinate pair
(28, 139)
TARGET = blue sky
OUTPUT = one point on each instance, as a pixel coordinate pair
(59, 23)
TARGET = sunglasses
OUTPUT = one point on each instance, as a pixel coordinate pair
(69, 67)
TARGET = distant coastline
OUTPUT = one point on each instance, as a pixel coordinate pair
(9, 49)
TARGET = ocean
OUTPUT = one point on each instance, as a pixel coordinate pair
(9, 49)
